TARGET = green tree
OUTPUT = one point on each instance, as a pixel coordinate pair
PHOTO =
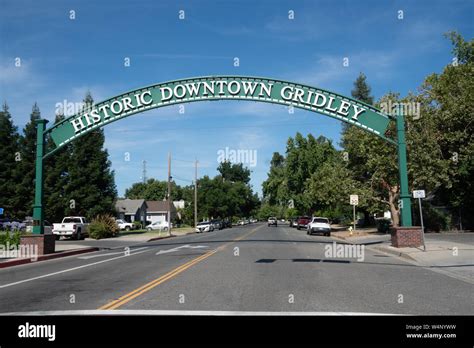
(268, 210)
(91, 185)
(153, 190)
(9, 150)
(23, 200)
(449, 109)
(362, 90)
(234, 172)
(288, 175)
(304, 156)
(275, 188)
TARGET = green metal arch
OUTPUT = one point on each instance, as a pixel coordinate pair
(99, 115)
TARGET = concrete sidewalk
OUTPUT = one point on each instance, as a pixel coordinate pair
(438, 253)
(361, 238)
(443, 253)
(447, 257)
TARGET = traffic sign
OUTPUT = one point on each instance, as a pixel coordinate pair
(354, 199)
(419, 194)
(1, 211)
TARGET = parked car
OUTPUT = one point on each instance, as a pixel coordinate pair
(217, 224)
(272, 221)
(160, 225)
(75, 227)
(240, 222)
(303, 222)
(295, 222)
(227, 223)
(319, 225)
(205, 226)
(123, 225)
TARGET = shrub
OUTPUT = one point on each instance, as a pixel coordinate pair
(336, 216)
(103, 226)
(435, 220)
(383, 225)
(137, 225)
(11, 238)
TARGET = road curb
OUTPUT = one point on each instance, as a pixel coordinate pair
(394, 252)
(159, 238)
(23, 261)
(339, 238)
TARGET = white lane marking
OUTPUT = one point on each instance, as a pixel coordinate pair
(189, 312)
(68, 270)
(181, 247)
(132, 251)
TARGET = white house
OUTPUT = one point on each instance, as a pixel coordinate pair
(158, 211)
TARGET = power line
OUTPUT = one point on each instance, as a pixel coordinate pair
(181, 179)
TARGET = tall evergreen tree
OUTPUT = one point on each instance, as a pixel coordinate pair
(8, 165)
(91, 187)
(362, 90)
(23, 200)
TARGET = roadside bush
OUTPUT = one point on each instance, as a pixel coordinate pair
(103, 226)
(11, 238)
(137, 225)
(435, 220)
(383, 225)
(336, 216)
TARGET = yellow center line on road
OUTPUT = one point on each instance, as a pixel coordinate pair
(148, 286)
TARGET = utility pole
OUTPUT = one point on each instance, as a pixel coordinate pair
(144, 172)
(169, 193)
(195, 193)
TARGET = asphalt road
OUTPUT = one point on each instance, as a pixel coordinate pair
(248, 268)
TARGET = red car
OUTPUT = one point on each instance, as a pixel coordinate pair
(303, 222)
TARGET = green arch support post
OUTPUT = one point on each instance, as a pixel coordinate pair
(211, 88)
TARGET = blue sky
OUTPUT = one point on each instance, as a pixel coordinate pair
(61, 59)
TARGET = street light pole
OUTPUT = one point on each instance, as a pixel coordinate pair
(38, 214)
(195, 193)
(405, 201)
(169, 193)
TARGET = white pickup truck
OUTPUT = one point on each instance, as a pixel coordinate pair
(76, 227)
(319, 225)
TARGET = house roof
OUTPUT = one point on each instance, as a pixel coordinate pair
(129, 206)
(159, 206)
